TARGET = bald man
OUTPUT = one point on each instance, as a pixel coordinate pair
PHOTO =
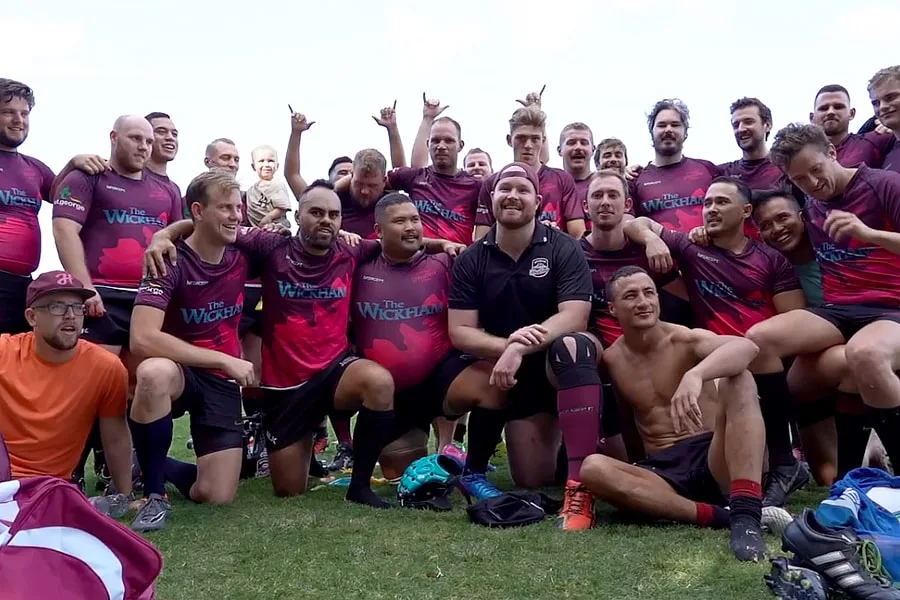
(102, 224)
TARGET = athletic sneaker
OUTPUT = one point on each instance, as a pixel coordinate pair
(775, 519)
(459, 454)
(476, 486)
(316, 468)
(783, 481)
(152, 516)
(112, 505)
(343, 460)
(577, 513)
(840, 556)
(790, 582)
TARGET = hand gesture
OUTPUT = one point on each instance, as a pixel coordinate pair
(432, 107)
(278, 228)
(299, 124)
(504, 373)
(452, 248)
(533, 99)
(93, 307)
(879, 128)
(241, 371)
(699, 236)
(388, 117)
(530, 335)
(684, 409)
(92, 164)
(658, 256)
(632, 172)
(160, 250)
(841, 224)
(550, 224)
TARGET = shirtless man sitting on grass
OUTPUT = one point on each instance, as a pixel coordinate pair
(701, 444)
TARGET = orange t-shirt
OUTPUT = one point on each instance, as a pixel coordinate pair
(47, 409)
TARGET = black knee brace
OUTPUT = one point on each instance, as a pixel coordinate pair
(582, 370)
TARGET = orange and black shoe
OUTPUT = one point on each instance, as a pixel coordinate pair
(577, 513)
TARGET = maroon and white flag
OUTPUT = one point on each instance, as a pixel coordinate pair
(54, 544)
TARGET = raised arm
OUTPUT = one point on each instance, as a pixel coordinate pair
(295, 180)
(431, 109)
(388, 120)
(647, 232)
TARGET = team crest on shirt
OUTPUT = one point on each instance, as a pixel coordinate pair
(539, 267)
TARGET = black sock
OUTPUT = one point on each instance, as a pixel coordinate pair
(485, 429)
(852, 439)
(182, 475)
(459, 435)
(775, 405)
(886, 423)
(372, 432)
(321, 432)
(151, 443)
(746, 532)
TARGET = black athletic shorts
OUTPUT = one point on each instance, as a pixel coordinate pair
(292, 414)
(214, 404)
(676, 310)
(13, 289)
(112, 329)
(418, 406)
(850, 318)
(685, 466)
(251, 319)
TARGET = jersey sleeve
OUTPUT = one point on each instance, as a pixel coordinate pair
(258, 243)
(679, 244)
(177, 211)
(713, 169)
(573, 275)
(158, 291)
(483, 214)
(114, 396)
(364, 251)
(74, 197)
(571, 207)
(464, 282)
(401, 178)
(783, 274)
(47, 178)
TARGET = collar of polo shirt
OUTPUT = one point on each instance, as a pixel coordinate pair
(541, 235)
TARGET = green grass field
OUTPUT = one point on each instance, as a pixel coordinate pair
(319, 546)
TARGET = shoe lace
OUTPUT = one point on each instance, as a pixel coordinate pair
(870, 559)
(576, 500)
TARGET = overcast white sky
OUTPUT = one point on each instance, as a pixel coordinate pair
(229, 69)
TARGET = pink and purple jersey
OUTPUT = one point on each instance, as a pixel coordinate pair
(856, 272)
(356, 218)
(400, 315)
(203, 302)
(604, 264)
(559, 200)
(446, 204)
(758, 174)
(24, 183)
(731, 292)
(892, 158)
(307, 303)
(173, 189)
(118, 216)
(867, 148)
(673, 195)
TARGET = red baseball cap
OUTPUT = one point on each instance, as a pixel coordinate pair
(56, 281)
(519, 169)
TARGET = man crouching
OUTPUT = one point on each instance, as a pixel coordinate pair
(701, 443)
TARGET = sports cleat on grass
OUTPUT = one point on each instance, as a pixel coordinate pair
(790, 582)
(850, 565)
(343, 460)
(775, 519)
(476, 486)
(459, 454)
(577, 513)
(152, 515)
(783, 481)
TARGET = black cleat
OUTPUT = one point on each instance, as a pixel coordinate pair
(343, 460)
(316, 469)
(789, 582)
(783, 481)
(747, 540)
(840, 556)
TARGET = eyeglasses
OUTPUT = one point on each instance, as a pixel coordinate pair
(59, 309)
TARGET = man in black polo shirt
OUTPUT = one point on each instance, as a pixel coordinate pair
(516, 298)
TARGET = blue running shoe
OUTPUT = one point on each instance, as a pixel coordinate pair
(476, 486)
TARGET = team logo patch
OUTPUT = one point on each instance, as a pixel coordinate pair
(539, 267)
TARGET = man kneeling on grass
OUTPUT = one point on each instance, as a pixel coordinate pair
(701, 443)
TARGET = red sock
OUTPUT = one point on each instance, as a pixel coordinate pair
(711, 516)
(579, 423)
(342, 430)
(745, 487)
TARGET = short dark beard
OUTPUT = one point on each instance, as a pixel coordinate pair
(56, 343)
(11, 143)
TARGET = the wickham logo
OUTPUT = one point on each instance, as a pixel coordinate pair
(539, 267)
